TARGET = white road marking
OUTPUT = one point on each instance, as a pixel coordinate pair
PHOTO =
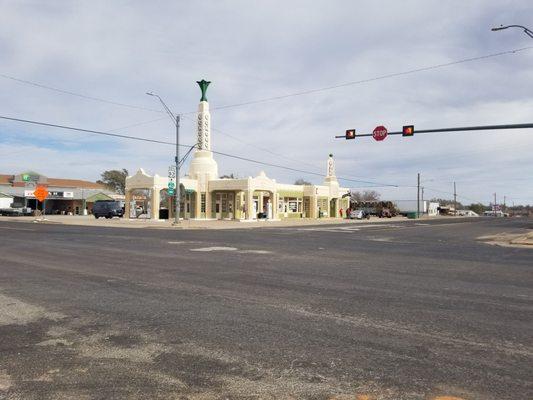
(215, 248)
(348, 229)
(220, 248)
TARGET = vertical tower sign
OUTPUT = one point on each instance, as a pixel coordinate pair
(204, 119)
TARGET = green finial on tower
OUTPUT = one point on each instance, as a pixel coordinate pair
(203, 86)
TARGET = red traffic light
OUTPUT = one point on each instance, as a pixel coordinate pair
(408, 130)
(350, 134)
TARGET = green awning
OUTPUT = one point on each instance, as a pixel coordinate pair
(98, 196)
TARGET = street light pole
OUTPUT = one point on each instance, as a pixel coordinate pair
(177, 160)
(527, 31)
(176, 121)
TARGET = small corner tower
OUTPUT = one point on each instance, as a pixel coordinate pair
(330, 172)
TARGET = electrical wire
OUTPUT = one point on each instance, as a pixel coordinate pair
(115, 135)
(280, 97)
(83, 96)
(377, 78)
(268, 99)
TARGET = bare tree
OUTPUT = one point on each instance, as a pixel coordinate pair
(301, 181)
(371, 195)
(367, 196)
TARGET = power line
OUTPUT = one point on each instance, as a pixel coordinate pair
(277, 154)
(305, 92)
(115, 135)
(377, 78)
(280, 97)
(83, 96)
(449, 193)
(81, 135)
(86, 130)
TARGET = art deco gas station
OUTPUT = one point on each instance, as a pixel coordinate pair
(209, 197)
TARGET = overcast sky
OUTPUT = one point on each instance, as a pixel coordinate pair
(250, 50)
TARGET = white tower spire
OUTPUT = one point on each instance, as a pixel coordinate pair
(203, 167)
(203, 126)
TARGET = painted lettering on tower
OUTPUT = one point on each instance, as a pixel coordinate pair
(331, 166)
(204, 119)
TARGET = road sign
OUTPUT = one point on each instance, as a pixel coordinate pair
(171, 179)
(172, 172)
(40, 193)
(379, 133)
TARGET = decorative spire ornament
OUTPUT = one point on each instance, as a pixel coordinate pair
(203, 87)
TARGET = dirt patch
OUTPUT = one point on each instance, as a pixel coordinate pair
(16, 312)
(522, 240)
(5, 381)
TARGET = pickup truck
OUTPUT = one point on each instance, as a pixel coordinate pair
(16, 212)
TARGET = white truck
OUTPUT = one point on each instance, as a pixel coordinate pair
(409, 206)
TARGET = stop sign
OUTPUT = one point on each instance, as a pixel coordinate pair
(380, 133)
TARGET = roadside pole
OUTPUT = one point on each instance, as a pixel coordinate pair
(177, 160)
(454, 199)
(418, 197)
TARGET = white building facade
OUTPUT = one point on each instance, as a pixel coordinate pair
(209, 197)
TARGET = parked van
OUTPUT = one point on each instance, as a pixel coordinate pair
(108, 209)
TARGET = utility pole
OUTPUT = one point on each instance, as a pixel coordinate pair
(454, 199)
(177, 159)
(176, 120)
(504, 198)
(418, 197)
(494, 208)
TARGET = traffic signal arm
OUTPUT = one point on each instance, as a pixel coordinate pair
(350, 134)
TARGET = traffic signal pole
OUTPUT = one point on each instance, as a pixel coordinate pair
(177, 160)
(418, 197)
(459, 129)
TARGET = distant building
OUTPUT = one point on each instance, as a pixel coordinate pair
(5, 200)
(66, 196)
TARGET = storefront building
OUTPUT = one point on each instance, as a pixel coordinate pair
(65, 196)
(209, 197)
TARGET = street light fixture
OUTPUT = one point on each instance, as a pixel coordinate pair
(527, 31)
(176, 121)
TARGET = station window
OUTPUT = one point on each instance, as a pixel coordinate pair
(294, 204)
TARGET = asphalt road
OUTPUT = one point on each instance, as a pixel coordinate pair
(394, 311)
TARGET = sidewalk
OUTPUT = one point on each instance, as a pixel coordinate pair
(192, 224)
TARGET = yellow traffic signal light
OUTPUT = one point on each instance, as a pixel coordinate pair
(408, 130)
(350, 134)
